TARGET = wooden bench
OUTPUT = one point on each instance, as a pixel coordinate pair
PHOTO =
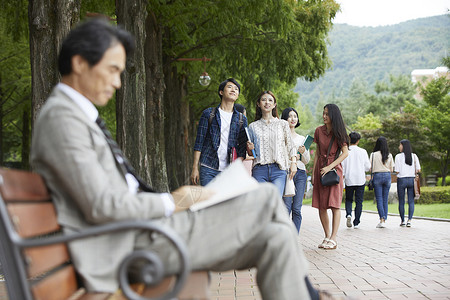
(36, 261)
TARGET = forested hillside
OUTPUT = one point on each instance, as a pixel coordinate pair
(370, 54)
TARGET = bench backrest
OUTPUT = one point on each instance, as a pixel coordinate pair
(27, 212)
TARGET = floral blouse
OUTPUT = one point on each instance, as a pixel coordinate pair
(273, 142)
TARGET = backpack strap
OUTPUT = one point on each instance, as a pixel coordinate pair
(211, 115)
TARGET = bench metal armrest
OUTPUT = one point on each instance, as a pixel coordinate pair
(153, 273)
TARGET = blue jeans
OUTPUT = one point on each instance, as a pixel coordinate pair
(358, 190)
(207, 174)
(295, 203)
(408, 184)
(381, 186)
(270, 173)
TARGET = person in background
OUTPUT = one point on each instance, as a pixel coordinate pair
(407, 166)
(355, 167)
(329, 197)
(295, 203)
(218, 132)
(272, 142)
(382, 165)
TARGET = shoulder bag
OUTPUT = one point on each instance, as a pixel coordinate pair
(370, 184)
(416, 182)
(332, 177)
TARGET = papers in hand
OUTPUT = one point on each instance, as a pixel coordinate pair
(230, 183)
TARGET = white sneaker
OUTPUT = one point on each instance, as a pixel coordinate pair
(356, 226)
(349, 221)
(381, 225)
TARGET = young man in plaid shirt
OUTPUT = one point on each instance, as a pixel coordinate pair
(220, 129)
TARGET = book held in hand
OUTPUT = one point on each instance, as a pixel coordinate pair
(228, 184)
(308, 141)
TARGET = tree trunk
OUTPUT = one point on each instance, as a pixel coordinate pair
(26, 138)
(49, 21)
(2, 102)
(139, 101)
(178, 129)
(155, 103)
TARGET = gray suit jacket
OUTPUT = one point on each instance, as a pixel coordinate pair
(72, 154)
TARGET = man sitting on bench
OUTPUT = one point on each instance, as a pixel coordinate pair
(92, 183)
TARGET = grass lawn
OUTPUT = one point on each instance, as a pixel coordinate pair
(441, 210)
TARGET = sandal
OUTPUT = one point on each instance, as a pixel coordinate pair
(330, 245)
(324, 242)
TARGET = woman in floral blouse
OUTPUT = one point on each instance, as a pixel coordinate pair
(272, 142)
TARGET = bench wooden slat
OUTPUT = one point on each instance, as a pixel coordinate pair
(42, 259)
(33, 219)
(22, 186)
(61, 285)
(33, 214)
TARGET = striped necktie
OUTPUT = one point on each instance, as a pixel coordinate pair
(120, 158)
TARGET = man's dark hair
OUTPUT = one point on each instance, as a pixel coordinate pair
(354, 137)
(90, 40)
(224, 83)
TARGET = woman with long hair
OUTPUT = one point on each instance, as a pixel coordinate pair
(382, 165)
(272, 142)
(294, 204)
(332, 148)
(407, 167)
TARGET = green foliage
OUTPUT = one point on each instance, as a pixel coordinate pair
(15, 19)
(435, 116)
(15, 90)
(260, 43)
(371, 53)
(439, 180)
(431, 195)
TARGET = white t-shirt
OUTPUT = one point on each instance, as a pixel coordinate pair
(403, 169)
(222, 152)
(355, 166)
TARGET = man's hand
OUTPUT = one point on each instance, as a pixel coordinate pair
(195, 176)
(187, 195)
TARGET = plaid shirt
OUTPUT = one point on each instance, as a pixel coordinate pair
(207, 141)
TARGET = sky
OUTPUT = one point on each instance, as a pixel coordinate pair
(387, 12)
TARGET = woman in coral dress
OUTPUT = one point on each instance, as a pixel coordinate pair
(329, 197)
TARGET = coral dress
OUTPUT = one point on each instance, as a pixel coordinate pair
(325, 197)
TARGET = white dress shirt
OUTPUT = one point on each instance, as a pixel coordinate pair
(92, 113)
(355, 166)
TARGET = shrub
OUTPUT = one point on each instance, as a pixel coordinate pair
(435, 194)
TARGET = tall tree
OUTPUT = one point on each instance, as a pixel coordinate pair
(435, 116)
(49, 22)
(259, 42)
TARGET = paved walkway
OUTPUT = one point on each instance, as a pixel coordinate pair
(369, 263)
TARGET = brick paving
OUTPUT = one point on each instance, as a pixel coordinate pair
(369, 263)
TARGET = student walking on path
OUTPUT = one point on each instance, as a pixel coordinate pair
(355, 167)
(294, 204)
(407, 166)
(331, 138)
(218, 131)
(272, 142)
(382, 167)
